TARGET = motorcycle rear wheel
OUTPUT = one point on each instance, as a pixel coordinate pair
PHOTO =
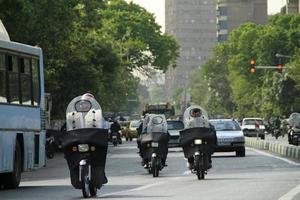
(155, 167)
(199, 163)
(49, 154)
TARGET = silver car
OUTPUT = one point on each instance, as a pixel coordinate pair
(230, 137)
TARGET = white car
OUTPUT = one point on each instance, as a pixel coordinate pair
(253, 127)
(230, 137)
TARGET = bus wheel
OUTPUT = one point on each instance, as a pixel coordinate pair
(12, 180)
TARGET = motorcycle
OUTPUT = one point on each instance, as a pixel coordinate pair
(50, 147)
(154, 144)
(198, 141)
(85, 145)
(294, 130)
(294, 136)
(114, 138)
(276, 133)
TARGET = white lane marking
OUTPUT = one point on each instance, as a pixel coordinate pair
(51, 182)
(187, 172)
(273, 156)
(291, 194)
(133, 190)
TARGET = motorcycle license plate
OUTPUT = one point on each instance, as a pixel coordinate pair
(114, 137)
(154, 144)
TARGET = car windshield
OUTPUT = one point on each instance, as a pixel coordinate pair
(175, 125)
(252, 122)
(226, 125)
(135, 124)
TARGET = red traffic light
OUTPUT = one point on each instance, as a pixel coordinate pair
(252, 62)
(279, 68)
(252, 69)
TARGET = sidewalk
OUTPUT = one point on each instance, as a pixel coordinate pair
(279, 146)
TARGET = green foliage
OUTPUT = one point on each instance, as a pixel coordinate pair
(90, 46)
(264, 93)
(137, 36)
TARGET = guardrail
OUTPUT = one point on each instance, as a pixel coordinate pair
(286, 150)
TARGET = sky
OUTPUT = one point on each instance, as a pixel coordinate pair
(158, 8)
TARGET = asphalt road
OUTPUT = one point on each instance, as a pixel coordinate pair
(259, 175)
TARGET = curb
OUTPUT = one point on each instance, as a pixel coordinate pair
(286, 150)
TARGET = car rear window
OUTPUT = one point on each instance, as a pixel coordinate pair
(135, 124)
(226, 125)
(252, 122)
(175, 125)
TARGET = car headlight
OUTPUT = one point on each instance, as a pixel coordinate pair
(239, 139)
(198, 141)
(83, 147)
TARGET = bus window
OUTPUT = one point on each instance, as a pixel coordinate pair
(13, 79)
(35, 82)
(25, 81)
(3, 98)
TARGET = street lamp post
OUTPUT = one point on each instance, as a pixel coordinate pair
(278, 55)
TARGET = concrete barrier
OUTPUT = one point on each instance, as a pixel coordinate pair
(286, 150)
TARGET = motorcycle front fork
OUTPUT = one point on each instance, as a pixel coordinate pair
(83, 164)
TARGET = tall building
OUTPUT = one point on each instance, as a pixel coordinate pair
(232, 13)
(198, 26)
(292, 6)
(193, 23)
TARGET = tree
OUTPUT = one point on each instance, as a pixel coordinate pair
(90, 46)
(138, 37)
(265, 92)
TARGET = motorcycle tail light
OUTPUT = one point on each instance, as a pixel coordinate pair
(83, 148)
(93, 148)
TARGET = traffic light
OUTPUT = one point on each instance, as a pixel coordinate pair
(279, 68)
(252, 68)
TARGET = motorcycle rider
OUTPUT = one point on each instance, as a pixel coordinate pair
(86, 132)
(115, 128)
(277, 122)
(198, 120)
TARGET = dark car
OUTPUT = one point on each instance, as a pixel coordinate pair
(174, 126)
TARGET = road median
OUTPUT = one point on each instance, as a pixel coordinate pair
(286, 150)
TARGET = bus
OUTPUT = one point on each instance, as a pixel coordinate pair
(22, 110)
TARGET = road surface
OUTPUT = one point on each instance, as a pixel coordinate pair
(259, 175)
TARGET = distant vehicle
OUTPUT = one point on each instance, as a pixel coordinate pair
(253, 127)
(162, 108)
(22, 110)
(294, 131)
(174, 126)
(130, 131)
(229, 136)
